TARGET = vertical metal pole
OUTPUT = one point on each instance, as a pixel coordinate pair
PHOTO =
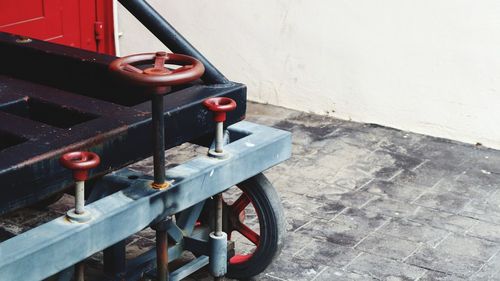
(218, 239)
(218, 215)
(114, 260)
(79, 209)
(161, 254)
(218, 222)
(158, 124)
(79, 272)
(79, 197)
(219, 136)
(219, 139)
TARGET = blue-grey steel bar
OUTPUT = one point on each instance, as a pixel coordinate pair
(58, 244)
(189, 268)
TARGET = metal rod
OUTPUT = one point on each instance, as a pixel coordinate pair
(115, 260)
(158, 123)
(167, 34)
(161, 255)
(79, 197)
(219, 137)
(80, 271)
(218, 215)
(218, 223)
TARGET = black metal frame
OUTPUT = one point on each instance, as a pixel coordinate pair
(112, 119)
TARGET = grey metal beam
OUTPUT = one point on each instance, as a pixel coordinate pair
(189, 268)
(56, 245)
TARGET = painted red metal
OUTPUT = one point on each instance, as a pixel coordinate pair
(219, 106)
(157, 76)
(236, 216)
(66, 22)
(80, 162)
(104, 14)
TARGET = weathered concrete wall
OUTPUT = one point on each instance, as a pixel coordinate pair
(429, 66)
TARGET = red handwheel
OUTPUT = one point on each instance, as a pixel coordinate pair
(80, 162)
(220, 106)
(132, 69)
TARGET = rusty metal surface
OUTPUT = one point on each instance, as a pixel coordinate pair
(55, 99)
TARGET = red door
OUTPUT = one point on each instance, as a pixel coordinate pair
(85, 24)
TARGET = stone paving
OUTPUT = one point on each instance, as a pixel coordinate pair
(365, 202)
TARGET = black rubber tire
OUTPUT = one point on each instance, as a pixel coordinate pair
(269, 209)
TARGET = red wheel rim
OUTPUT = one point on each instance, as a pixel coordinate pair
(236, 216)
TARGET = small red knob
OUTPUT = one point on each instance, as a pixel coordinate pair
(80, 162)
(219, 106)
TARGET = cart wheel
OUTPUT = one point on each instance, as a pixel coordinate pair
(254, 220)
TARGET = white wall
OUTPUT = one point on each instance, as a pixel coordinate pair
(428, 66)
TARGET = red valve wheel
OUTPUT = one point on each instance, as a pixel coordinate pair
(80, 162)
(254, 220)
(219, 106)
(158, 75)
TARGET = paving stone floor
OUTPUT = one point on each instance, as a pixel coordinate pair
(365, 202)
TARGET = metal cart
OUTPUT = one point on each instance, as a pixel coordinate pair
(63, 108)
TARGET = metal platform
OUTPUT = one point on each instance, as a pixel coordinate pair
(253, 148)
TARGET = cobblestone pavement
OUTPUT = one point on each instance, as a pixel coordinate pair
(365, 202)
